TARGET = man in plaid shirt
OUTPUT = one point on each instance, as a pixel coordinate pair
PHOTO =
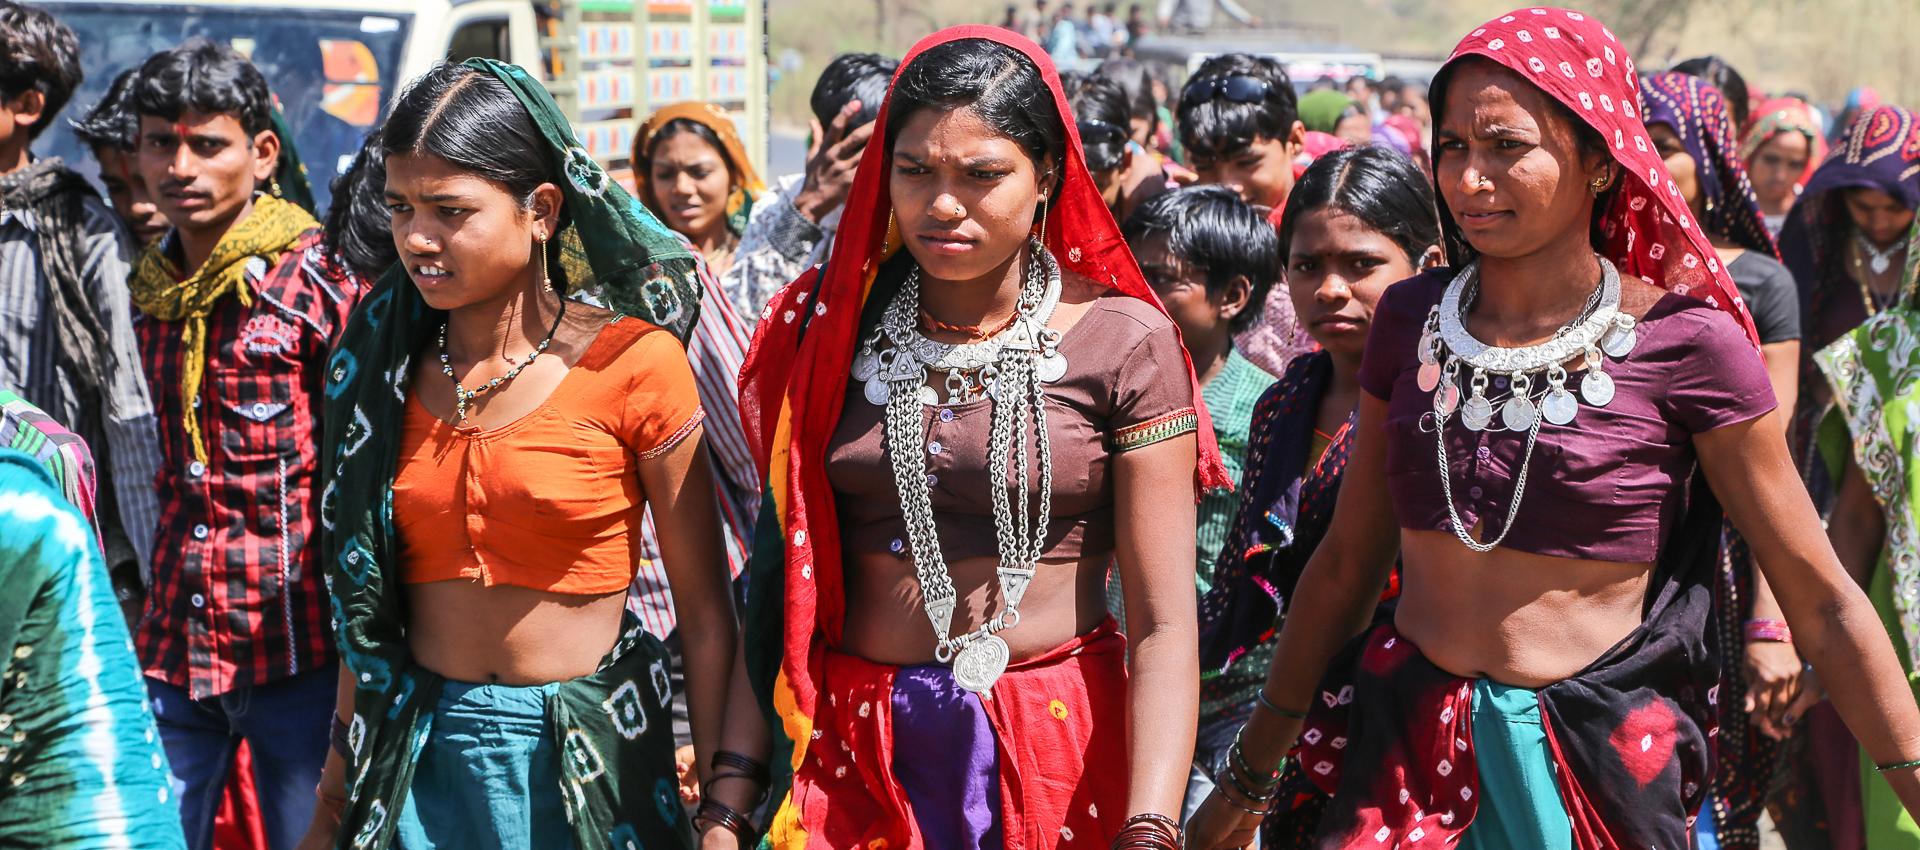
(238, 307)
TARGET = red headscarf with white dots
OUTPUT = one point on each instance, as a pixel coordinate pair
(1647, 229)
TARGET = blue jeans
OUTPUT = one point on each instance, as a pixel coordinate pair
(285, 724)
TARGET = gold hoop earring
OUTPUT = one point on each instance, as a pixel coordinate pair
(1043, 221)
(546, 282)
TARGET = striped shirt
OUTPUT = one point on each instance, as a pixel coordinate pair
(236, 599)
(716, 350)
(30, 431)
(1230, 398)
(117, 427)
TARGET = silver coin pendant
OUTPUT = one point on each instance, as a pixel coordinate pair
(1619, 343)
(1427, 357)
(878, 392)
(1446, 399)
(1519, 414)
(1428, 377)
(1559, 407)
(928, 397)
(866, 366)
(1597, 388)
(1050, 367)
(1477, 413)
(980, 664)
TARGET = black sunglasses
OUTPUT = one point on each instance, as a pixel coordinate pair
(1238, 88)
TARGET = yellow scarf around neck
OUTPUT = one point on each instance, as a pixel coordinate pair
(271, 229)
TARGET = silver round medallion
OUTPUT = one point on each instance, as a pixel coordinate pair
(1519, 414)
(1426, 349)
(928, 397)
(1446, 399)
(866, 366)
(1597, 388)
(878, 392)
(1476, 414)
(1050, 367)
(1428, 377)
(1619, 342)
(1559, 407)
(979, 665)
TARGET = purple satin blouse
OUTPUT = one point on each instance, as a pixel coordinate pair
(1608, 486)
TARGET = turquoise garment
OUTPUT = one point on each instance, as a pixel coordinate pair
(1230, 398)
(489, 774)
(80, 760)
(1520, 806)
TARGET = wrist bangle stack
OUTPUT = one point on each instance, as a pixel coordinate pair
(340, 739)
(1148, 831)
(1255, 788)
(731, 765)
(1889, 768)
(1769, 630)
(715, 814)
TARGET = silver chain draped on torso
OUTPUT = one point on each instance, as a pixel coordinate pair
(898, 364)
(1446, 348)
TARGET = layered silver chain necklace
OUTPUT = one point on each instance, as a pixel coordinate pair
(898, 363)
(1537, 375)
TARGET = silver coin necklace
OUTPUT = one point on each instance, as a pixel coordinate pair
(897, 364)
(1450, 356)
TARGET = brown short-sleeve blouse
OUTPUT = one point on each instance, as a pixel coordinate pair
(1126, 386)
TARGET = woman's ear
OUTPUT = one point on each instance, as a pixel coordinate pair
(1432, 258)
(545, 208)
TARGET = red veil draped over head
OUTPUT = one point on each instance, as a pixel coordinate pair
(1646, 226)
(794, 383)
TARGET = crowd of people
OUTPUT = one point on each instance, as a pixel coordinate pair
(1521, 459)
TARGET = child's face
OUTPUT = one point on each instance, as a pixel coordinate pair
(1202, 317)
(1337, 266)
(1261, 172)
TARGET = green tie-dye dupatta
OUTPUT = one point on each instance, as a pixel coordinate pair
(612, 726)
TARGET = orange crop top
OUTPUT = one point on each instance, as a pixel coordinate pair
(552, 500)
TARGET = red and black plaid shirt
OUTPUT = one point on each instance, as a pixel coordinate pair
(237, 597)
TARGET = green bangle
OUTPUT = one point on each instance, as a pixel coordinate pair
(1887, 768)
(1267, 704)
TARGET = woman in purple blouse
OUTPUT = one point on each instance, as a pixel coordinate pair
(1537, 433)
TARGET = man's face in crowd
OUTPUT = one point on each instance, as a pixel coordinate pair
(203, 168)
(1261, 171)
(129, 196)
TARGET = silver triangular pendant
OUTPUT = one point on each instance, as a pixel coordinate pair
(940, 614)
(1013, 584)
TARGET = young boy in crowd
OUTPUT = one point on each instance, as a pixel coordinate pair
(239, 306)
(1239, 121)
(66, 335)
(1210, 257)
(109, 131)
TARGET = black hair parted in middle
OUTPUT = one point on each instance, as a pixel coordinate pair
(111, 124)
(849, 77)
(1210, 229)
(995, 82)
(1220, 126)
(469, 119)
(1100, 109)
(201, 76)
(1379, 186)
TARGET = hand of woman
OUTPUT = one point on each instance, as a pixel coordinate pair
(1219, 825)
(1773, 681)
(683, 760)
(321, 830)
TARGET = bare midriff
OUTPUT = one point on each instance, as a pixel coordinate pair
(509, 635)
(886, 624)
(1517, 618)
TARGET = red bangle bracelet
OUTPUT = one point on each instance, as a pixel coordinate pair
(1769, 630)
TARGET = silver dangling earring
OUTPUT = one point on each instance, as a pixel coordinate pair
(546, 283)
(1043, 220)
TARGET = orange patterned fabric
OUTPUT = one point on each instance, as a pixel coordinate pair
(551, 501)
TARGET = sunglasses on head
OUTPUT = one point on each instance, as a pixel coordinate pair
(1238, 88)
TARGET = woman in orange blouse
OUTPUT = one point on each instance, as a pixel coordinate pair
(495, 694)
